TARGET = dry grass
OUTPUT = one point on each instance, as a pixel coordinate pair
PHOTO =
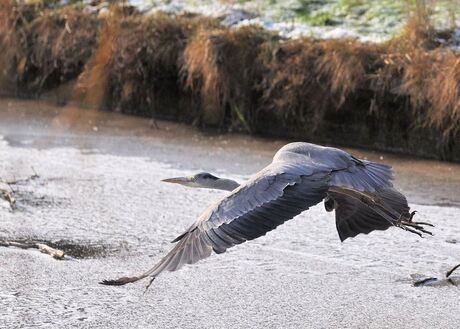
(307, 78)
(221, 66)
(60, 43)
(136, 59)
(13, 21)
(45, 48)
(237, 78)
(147, 55)
(92, 84)
(346, 66)
(290, 87)
(418, 31)
(431, 80)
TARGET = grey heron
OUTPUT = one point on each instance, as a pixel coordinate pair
(301, 175)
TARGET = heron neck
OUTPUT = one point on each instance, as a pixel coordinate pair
(225, 184)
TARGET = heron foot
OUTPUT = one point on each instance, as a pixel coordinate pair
(413, 227)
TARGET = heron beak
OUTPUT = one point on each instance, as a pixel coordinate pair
(178, 180)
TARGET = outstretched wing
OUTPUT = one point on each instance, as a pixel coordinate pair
(260, 205)
(354, 217)
(299, 178)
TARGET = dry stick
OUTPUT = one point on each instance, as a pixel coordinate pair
(55, 253)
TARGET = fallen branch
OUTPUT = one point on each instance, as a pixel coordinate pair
(55, 253)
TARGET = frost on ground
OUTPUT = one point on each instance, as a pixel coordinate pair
(121, 217)
(366, 20)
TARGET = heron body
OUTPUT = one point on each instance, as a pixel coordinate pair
(300, 176)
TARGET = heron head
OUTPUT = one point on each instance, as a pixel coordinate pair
(202, 179)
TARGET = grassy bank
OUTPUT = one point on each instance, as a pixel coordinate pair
(403, 95)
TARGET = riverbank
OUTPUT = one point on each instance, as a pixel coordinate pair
(400, 96)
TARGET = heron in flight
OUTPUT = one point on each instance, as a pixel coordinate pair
(301, 175)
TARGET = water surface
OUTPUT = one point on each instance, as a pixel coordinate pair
(99, 183)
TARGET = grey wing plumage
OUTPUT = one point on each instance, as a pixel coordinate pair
(354, 217)
(364, 176)
(300, 176)
(248, 215)
(202, 240)
(346, 170)
(257, 207)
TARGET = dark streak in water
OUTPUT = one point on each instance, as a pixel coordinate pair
(82, 250)
(73, 249)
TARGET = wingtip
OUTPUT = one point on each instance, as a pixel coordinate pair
(342, 237)
(119, 282)
(179, 238)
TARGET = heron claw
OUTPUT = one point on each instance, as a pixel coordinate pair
(413, 227)
(408, 229)
(423, 223)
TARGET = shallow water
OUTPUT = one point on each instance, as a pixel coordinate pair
(100, 173)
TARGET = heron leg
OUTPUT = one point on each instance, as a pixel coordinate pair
(408, 225)
(149, 284)
(402, 222)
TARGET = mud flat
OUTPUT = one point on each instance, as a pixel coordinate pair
(110, 211)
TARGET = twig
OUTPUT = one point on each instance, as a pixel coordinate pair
(23, 180)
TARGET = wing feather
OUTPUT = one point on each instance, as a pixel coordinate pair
(354, 217)
(297, 195)
(364, 176)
